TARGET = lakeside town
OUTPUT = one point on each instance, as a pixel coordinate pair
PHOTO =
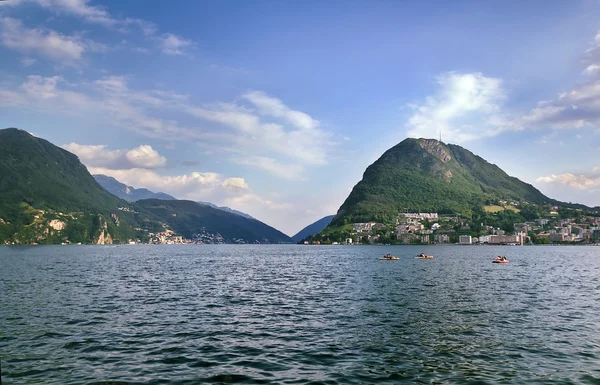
(432, 228)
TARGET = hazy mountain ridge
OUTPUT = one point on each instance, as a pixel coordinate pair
(132, 194)
(204, 223)
(227, 209)
(129, 193)
(313, 228)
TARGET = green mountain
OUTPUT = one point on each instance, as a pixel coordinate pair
(313, 228)
(425, 175)
(48, 196)
(204, 223)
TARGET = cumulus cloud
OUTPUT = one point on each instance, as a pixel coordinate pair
(196, 186)
(146, 157)
(465, 106)
(572, 187)
(235, 183)
(582, 182)
(45, 42)
(143, 156)
(172, 44)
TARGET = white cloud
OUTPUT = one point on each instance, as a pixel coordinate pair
(582, 182)
(48, 43)
(45, 42)
(113, 84)
(45, 93)
(308, 145)
(466, 106)
(577, 108)
(211, 187)
(284, 151)
(271, 106)
(235, 183)
(171, 44)
(96, 15)
(286, 171)
(196, 186)
(44, 88)
(80, 8)
(143, 156)
(591, 69)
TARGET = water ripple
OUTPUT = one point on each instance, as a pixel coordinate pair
(298, 315)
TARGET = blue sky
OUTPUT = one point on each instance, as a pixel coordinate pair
(276, 108)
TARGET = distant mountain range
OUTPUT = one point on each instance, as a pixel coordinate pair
(213, 225)
(47, 196)
(132, 194)
(225, 208)
(313, 228)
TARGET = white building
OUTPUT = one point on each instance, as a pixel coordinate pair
(465, 240)
(419, 216)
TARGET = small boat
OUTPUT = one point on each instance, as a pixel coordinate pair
(389, 257)
(500, 259)
(424, 256)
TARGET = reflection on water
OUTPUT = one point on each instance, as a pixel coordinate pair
(298, 314)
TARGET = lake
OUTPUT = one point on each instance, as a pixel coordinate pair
(288, 314)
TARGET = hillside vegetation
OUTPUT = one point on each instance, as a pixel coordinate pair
(425, 175)
(48, 196)
(201, 222)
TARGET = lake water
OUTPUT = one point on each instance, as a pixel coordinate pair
(291, 314)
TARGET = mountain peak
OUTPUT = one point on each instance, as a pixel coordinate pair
(426, 175)
(15, 133)
(435, 148)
